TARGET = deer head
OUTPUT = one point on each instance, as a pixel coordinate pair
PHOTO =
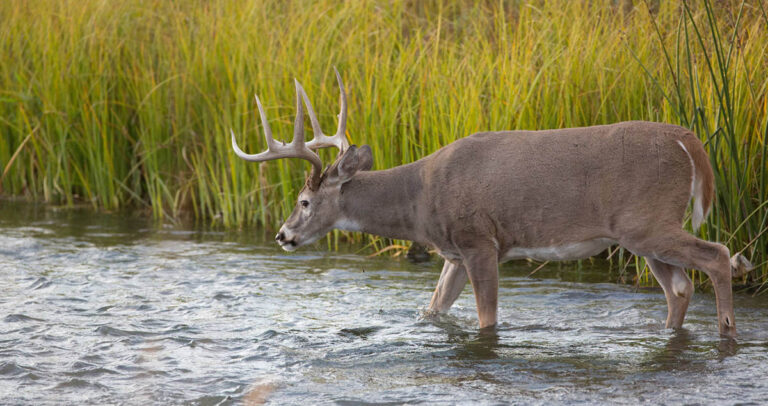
(318, 207)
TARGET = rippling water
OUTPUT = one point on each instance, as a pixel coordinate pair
(98, 308)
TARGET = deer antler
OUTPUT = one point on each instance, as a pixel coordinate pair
(298, 148)
(276, 150)
(320, 140)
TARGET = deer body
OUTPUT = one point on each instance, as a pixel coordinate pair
(548, 195)
(527, 191)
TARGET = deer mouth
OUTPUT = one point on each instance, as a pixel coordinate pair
(286, 239)
(289, 245)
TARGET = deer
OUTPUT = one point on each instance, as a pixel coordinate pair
(491, 197)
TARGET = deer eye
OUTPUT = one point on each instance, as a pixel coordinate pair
(304, 203)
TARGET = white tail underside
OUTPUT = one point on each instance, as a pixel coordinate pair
(697, 217)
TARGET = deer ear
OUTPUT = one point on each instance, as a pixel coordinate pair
(365, 158)
(354, 159)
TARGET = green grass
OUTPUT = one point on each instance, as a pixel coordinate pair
(130, 103)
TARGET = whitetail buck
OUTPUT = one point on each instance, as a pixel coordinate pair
(495, 196)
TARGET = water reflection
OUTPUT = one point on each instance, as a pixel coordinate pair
(477, 347)
(672, 355)
(683, 351)
(727, 347)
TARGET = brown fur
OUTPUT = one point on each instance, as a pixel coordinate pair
(554, 194)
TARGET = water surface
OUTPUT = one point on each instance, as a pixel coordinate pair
(106, 308)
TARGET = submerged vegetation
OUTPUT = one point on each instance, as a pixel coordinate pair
(130, 103)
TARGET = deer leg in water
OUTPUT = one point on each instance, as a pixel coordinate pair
(678, 289)
(452, 280)
(483, 270)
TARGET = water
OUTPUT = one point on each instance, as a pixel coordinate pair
(99, 308)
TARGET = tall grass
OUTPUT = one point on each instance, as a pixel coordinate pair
(718, 117)
(129, 103)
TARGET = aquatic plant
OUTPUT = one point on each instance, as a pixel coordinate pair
(129, 104)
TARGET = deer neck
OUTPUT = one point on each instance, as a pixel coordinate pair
(383, 202)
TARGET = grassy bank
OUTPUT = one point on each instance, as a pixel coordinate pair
(129, 103)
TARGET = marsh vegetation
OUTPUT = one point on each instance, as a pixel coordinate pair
(129, 104)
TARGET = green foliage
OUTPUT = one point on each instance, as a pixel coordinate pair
(714, 89)
(130, 103)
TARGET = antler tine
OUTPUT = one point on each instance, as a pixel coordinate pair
(298, 124)
(317, 132)
(342, 128)
(265, 123)
(320, 140)
(267, 135)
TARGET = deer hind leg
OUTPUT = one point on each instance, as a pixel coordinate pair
(452, 280)
(678, 289)
(681, 249)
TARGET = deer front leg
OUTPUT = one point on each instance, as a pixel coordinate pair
(452, 280)
(483, 270)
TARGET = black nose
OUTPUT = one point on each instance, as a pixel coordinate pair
(280, 236)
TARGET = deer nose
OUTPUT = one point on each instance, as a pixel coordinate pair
(280, 236)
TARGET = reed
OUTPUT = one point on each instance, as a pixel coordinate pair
(129, 103)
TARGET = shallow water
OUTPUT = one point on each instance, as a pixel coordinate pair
(99, 308)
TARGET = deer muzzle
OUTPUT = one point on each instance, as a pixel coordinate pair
(286, 239)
